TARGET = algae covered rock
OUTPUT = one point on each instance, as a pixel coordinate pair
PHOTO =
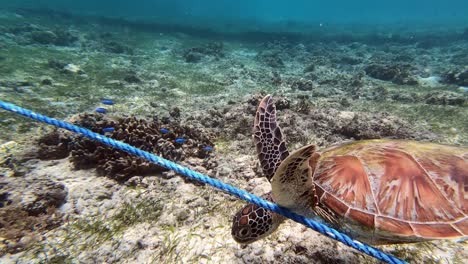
(398, 74)
(270, 58)
(44, 37)
(302, 84)
(56, 37)
(457, 76)
(28, 207)
(196, 54)
(41, 195)
(446, 98)
(132, 78)
(116, 47)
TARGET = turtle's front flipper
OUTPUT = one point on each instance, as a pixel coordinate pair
(252, 222)
(271, 148)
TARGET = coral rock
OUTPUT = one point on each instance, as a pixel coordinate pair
(42, 195)
(58, 37)
(302, 84)
(271, 59)
(399, 74)
(195, 54)
(140, 133)
(456, 77)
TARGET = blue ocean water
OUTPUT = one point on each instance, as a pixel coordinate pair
(407, 12)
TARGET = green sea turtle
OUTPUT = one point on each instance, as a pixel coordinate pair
(377, 191)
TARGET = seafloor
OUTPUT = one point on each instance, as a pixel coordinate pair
(64, 199)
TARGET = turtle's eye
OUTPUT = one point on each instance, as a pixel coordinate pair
(243, 232)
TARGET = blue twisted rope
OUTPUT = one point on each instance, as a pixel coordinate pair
(323, 229)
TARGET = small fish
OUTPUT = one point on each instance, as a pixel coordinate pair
(164, 130)
(207, 148)
(108, 129)
(180, 140)
(101, 110)
(107, 101)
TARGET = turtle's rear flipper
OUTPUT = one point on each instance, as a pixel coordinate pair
(271, 148)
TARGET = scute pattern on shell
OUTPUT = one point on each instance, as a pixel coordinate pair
(400, 188)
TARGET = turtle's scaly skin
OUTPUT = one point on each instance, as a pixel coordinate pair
(380, 191)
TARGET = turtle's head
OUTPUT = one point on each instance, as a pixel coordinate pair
(253, 222)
